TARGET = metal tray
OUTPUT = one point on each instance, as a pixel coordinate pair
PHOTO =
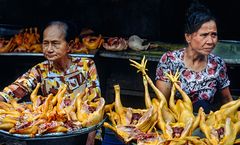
(57, 135)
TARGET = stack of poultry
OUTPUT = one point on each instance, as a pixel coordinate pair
(52, 113)
(77, 46)
(128, 123)
(88, 43)
(25, 41)
(222, 127)
(175, 119)
(92, 42)
(115, 44)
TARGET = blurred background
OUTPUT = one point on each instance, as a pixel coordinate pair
(160, 20)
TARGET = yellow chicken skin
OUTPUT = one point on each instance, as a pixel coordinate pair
(183, 108)
(218, 126)
(176, 122)
(53, 113)
(129, 123)
(90, 108)
(92, 42)
(134, 124)
(167, 114)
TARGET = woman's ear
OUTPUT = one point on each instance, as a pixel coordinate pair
(188, 38)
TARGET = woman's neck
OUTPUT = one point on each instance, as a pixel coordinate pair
(62, 64)
(194, 61)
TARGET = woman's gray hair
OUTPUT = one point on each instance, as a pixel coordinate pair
(69, 33)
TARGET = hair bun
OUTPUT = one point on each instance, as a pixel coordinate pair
(196, 15)
(196, 7)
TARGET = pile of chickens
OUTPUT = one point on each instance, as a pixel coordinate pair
(28, 40)
(54, 113)
(25, 41)
(119, 44)
(173, 122)
(87, 44)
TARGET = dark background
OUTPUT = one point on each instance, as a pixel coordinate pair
(161, 20)
(155, 20)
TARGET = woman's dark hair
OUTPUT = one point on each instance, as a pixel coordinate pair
(67, 28)
(197, 15)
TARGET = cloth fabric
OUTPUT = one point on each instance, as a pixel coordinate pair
(198, 85)
(110, 138)
(80, 75)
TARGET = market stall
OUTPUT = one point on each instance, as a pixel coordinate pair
(126, 45)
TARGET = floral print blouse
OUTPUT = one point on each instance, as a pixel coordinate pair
(81, 74)
(198, 85)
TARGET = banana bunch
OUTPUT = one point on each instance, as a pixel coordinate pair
(54, 113)
(93, 42)
(221, 127)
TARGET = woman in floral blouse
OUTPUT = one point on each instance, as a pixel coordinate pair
(202, 73)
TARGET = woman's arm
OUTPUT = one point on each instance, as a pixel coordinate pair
(226, 95)
(21, 87)
(165, 88)
(1, 99)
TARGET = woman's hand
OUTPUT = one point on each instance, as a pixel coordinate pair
(226, 95)
(91, 138)
(165, 88)
(2, 99)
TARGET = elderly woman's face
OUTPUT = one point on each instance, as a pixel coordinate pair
(204, 40)
(54, 44)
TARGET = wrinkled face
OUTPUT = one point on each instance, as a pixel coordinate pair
(54, 44)
(204, 40)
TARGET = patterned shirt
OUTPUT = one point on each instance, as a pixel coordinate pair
(198, 85)
(81, 74)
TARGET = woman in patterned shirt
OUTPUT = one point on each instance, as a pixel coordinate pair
(202, 73)
(58, 69)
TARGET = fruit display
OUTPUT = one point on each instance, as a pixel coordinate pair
(172, 122)
(53, 113)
